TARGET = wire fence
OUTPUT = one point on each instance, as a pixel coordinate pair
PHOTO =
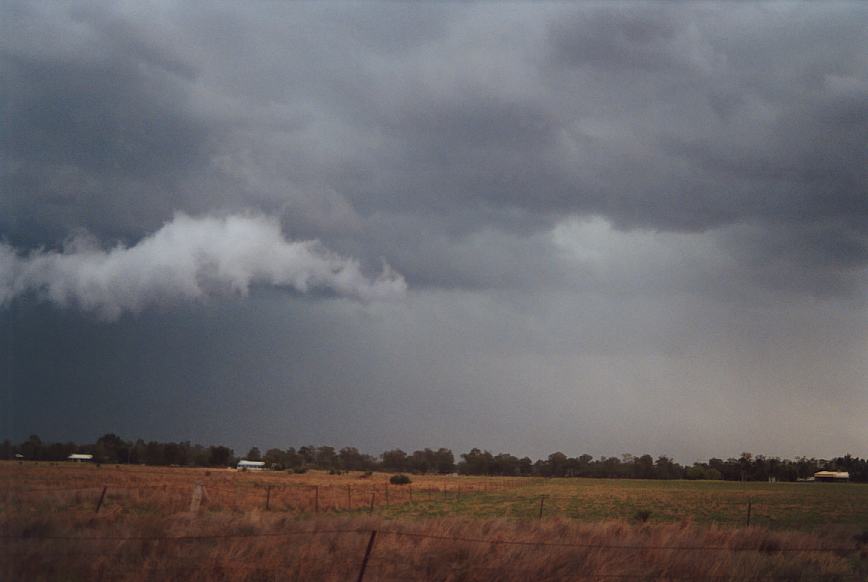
(384, 566)
(417, 534)
(496, 499)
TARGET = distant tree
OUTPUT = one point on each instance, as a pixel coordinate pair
(176, 453)
(697, 471)
(276, 459)
(350, 459)
(476, 462)
(200, 455)
(713, 474)
(154, 453)
(421, 461)
(308, 455)
(137, 452)
(643, 467)
(293, 458)
(326, 458)
(444, 461)
(745, 462)
(505, 464)
(32, 448)
(395, 460)
(557, 464)
(219, 456)
(108, 448)
(254, 454)
(666, 468)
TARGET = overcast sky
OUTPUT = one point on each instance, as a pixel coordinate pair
(605, 228)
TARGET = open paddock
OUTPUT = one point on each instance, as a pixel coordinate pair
(135, 523)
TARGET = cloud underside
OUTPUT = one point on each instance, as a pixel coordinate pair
(386, 131)
(188, 259)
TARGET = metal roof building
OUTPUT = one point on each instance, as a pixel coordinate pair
(831, 476)
(79, 457)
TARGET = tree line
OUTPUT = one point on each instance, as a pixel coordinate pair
(111, 448)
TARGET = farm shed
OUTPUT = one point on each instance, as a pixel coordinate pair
(832, 476)
(251, 465)
(79, 457)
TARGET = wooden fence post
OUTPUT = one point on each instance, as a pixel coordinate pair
(372, 503)
(101, 498)
(316, 498)
(349, 498)
(268, 498)
(367, 557)
(196, 498)
(748, 512)
(386, 488)
(542, 500)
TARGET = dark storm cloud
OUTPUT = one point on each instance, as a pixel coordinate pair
(594, 206)
(663, 117)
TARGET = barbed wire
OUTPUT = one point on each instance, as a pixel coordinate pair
(466, 539)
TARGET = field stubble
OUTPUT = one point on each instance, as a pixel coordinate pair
(317, 526)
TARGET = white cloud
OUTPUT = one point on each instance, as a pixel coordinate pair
(188, 259)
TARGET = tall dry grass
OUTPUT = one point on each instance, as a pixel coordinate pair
(145, 532)
(69, 487)
(267, 546)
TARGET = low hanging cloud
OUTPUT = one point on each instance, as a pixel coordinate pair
(188, 259)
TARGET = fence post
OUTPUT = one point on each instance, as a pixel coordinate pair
(349, 498)
(196, 498)
(386, 488)
(748, 512)
(372, 503)
(268, 498)
(458, 494)
(368, 551)
(410, 489)
(101, 498)
(542, 499)
(316, 498)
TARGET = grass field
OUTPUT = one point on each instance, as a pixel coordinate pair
(805, 506)
(274, 526)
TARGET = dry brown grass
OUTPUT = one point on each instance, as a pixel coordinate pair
(262, 546)
(144, 531)
(77, 487)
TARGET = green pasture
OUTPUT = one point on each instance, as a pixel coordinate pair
(776, 505)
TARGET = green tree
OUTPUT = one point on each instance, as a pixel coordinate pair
(395, 460)
(219, 456)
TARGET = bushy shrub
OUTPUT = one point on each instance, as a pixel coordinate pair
(299, 470)
(400, 479)
(642, 515)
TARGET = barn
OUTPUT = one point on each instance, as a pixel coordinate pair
(79, 457)
(251, 465)
(832, 476)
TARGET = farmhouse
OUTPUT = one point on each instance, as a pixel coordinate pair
(79, 457)
(832, 476)
(251, 465)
